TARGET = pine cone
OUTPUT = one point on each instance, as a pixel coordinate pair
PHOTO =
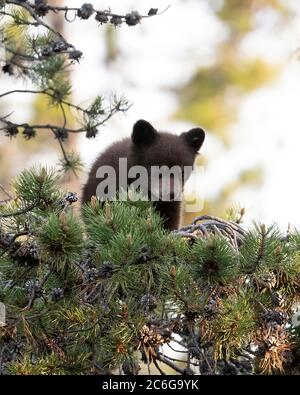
(101, 17)
(85, 11)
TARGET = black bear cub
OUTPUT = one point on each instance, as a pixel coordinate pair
(153, 154)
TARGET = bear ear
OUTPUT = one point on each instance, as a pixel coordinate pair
(143, 133)
(194, 138)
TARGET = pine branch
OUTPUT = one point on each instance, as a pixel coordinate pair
(169, 363)
(86, 11)
(44, 62)
(18, 212)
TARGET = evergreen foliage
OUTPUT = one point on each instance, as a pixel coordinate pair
(113, 291)
(33, 50)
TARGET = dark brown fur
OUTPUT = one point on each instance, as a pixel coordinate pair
(149, 148)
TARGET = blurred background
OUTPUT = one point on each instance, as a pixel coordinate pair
(229, 66)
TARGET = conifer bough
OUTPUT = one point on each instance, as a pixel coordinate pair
(115, 292)
(31, 48)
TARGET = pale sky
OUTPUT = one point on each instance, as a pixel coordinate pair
(162, 53)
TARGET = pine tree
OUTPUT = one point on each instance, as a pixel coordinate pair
(35, 51)
(112, 290)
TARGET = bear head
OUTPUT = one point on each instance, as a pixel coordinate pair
(167, 158)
